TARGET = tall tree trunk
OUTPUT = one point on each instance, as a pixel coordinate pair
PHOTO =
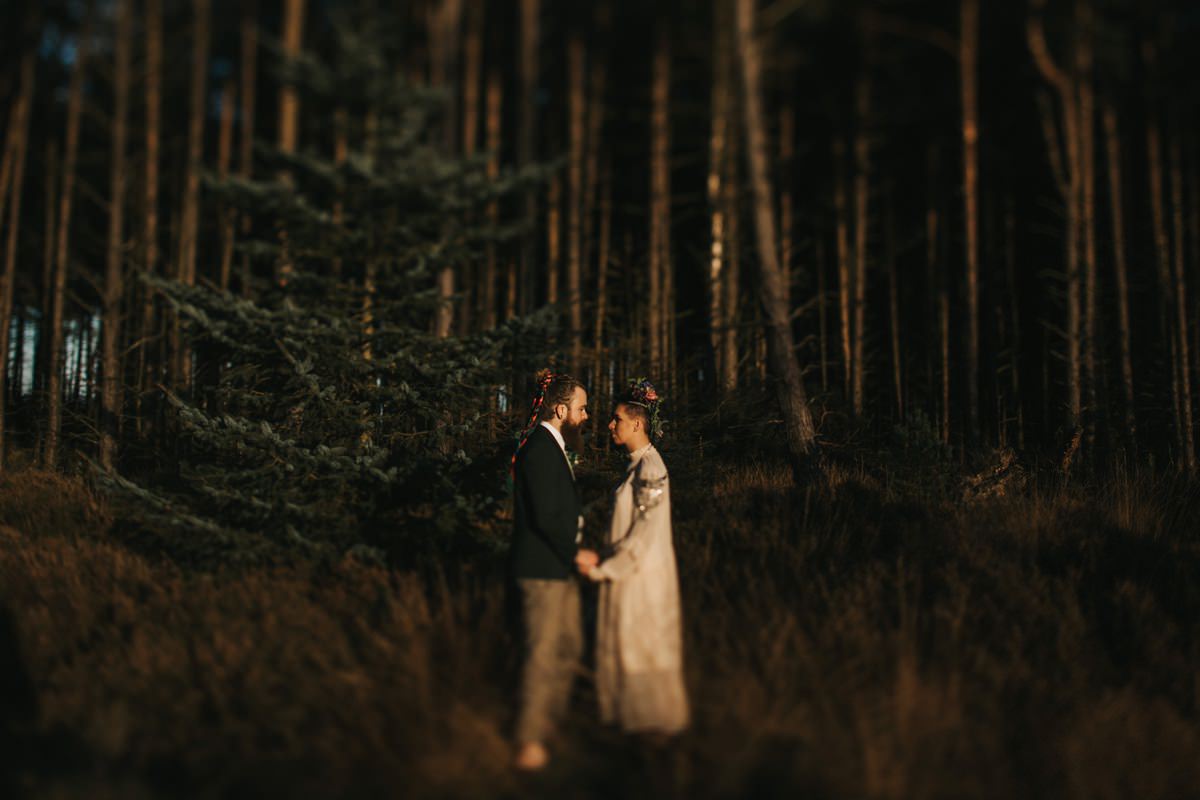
(788, 376)
(154, 60)
(889, 238)
(61, 257)
(1182, 327)
(1120, 264)
(1010, 271)
(530, 41)
(1087, 205)
(341, 151)
(19, 140)
(190, 215)
(660, 193)
(289, 117)
(862, 221)
(845, 276)
(822, 311)
(968, 79)
(553, 238)
(602, 265)
(731, 291)
(576, 105)
(249, 78)
(114, 273)
(718, 144)
(445, 24)
(472, 77)
(598, 61)
(224, 156)
(41, 366)
(492, 124)
(787, 217)
(1162, 250)
(1067, 174)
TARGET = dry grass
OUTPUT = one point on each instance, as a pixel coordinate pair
(844, 641)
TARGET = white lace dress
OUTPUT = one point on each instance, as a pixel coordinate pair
(639, 636)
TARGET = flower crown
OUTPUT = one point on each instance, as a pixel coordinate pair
(641, 392)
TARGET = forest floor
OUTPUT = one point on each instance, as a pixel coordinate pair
(870, 633)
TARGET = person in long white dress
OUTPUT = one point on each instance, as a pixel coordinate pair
(639, 636)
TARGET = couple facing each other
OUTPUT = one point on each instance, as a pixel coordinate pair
(639, 637)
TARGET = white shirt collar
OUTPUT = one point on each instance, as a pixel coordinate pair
(557, 434)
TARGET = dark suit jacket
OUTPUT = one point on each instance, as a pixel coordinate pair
(546, 510)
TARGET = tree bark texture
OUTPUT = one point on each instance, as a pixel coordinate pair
(793, 399)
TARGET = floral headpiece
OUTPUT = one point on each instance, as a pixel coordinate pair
(544, 378)
(641, 392)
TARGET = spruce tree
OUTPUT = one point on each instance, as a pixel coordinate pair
(325, 415)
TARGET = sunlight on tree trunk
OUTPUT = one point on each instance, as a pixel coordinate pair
(111, 374)
(793, 399)
(19, 142)
(62, 254)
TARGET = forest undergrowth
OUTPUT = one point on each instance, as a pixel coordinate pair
(866, 632)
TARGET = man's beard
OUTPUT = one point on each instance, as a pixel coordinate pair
(573, 436)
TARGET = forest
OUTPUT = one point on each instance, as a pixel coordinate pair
(916, 279)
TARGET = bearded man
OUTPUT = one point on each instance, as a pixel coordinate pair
(544, 557)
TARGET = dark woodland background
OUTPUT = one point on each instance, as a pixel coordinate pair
(916, 278)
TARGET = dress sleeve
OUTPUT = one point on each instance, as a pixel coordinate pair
(650, 488)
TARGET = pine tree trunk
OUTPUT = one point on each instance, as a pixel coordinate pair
(153, 70)
(289, 117)
(553, 238)
(492, 124)
(731, 301)
(862, 189)
(822, 312)
(602, 259)
(718, 144)
(224, 156)
(249, 78)
(595, 125)
(530, 42)
(114, 277)
(845, 277)
(1180, 279)
(19, 140)
(968, 66)
(577, 104)
(1087, 210)
(445, 21)
(1120, 264)
(62, 255)
(660, 194)
(787, 373)
(787, 220)
(939, 376)
(889, 233)
(41, 366)
(472, 77)
(341, 151)
(181, 377)
(1010, 265)
(1162, 253)
(1068, 176)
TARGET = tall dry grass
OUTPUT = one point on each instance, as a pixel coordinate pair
(847, 637)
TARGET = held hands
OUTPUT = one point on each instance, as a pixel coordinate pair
(586, 561)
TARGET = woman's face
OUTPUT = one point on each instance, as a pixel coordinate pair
(623, 425)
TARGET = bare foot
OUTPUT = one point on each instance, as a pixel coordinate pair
(531, 757)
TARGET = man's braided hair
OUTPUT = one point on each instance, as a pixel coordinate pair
(553, 390)
(559, 391)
